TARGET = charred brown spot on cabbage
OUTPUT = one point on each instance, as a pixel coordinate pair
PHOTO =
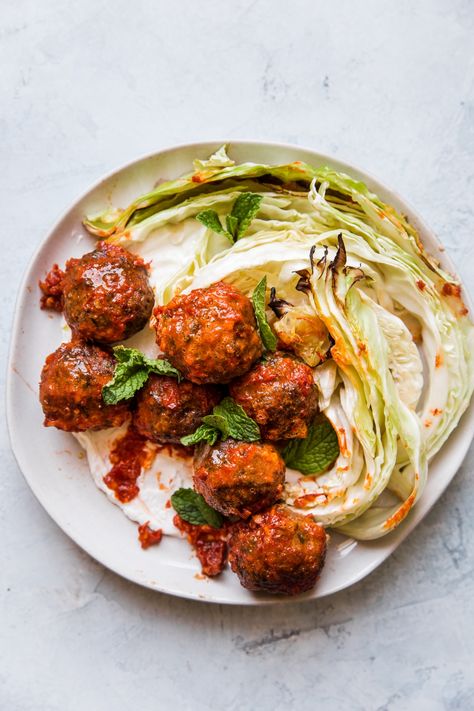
(338, 265)
(332, 343)
(321, 262)
(339, 261)
(304, 283)
(279, 306)
(357, 275)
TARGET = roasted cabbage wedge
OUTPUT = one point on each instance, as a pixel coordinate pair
(382, 325)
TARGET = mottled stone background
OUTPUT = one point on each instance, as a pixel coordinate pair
(89, 85)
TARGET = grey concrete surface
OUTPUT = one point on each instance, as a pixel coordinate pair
(89, 85)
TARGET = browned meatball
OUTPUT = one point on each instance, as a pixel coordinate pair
(106, 294)
(239, 478)
(278, 551)
(280, 395)
(168, 410)
(210, 334)
(71, 389)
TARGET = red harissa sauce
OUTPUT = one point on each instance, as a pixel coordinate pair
(52, 290)
(209, 543)
(148, 537)
(129, 455)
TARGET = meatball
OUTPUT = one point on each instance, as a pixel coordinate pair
(278, 551)
(71, 389)
(210, 334)
(106, 294)
(239, 478)
(280, 395)
(168, 410)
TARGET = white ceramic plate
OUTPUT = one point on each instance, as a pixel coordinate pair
(53, 463)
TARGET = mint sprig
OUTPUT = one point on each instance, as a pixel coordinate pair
(237, 223)
(316, 452)
(210, 219)
(228, 419)
(243, 211)
(269, 339)
(131, 373)
(204, 433)
(192, 508)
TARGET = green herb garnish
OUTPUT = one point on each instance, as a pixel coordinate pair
(237, 223)
(243, 211)
(192, 508)
(228, 419)
(210, 219)
(316, 452)
(269, 339)
(131, 373)
(204, 433)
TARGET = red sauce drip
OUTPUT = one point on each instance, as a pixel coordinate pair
(129, 454)
(400, 514)
(451, 289)
(341, 435)
(421, 284)
(52, 296)
(305, 500)
(210, 544)
(148, 537)
(454, 290)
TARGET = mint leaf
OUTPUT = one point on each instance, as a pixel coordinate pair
(212, 517)
(204, 433)
(269, 339)
(219, 424)
(232, 223)
(161, 366)
(316, 452)
(243, 211)
(128, 355)
(237, 223)
(210, 219)
(232, 421)
(228, 419)
(131, 373)
(192, 508)
(125, 383)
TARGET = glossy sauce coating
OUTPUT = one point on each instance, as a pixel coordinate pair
(239, 478)
(106, 293)
(71, 389)
(278, 551)
(210, 334)
(280, 395)
(167, 410)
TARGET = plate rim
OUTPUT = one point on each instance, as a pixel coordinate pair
(407, 526)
